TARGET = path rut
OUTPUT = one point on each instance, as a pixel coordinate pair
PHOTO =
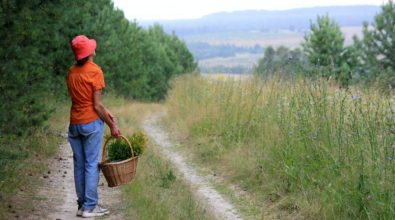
(57, 197)
(205, 193)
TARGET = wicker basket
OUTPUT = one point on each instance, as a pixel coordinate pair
(118, 173)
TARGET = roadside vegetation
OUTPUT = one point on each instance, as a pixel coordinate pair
(22, 161)
(306, 147)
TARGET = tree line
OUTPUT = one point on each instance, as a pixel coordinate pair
(35, 55)
(323, 53)
(203, 50)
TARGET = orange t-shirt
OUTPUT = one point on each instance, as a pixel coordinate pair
(82, 81)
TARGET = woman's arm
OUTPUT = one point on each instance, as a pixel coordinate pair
(104, 114)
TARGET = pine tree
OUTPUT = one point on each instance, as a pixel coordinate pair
(323, 46)
(281, 61)
(377, 47)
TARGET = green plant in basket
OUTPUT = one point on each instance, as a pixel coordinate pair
(119, 149)
(139, 142)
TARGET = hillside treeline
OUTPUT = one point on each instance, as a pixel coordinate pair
(370, 59)
(269, 20)
(203, 50)
(35, 55)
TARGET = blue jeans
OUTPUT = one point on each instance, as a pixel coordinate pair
(86, 140)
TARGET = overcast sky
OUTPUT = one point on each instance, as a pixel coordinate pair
(182, 9)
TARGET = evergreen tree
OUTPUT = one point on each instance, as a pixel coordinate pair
(172, 54)
(23, 74)
(323, 46)
(266, 65)
(377, 57)
(281, 61)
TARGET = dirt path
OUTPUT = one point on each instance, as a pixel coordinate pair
(203, 190)
(57, 199)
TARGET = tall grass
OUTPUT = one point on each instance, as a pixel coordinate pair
(307, 147)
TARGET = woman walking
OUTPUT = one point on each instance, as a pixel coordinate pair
(85, 81)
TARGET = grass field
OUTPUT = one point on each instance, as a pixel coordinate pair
(306, 148)
(245, 60)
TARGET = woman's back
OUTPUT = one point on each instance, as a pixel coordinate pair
(82, 81)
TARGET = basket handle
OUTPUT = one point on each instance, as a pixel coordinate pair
(104, 152)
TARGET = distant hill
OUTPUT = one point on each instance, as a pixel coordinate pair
(232, 42)
(297, 20)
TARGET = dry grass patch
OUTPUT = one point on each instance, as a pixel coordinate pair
(307, 147)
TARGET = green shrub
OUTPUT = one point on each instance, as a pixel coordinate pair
(119, 149)
(139, 142)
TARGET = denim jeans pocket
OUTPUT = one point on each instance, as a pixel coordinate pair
(92, 127)
(73, 132)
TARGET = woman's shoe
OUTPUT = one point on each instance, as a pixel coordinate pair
(95, 212)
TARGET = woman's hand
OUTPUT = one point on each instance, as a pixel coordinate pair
(115, 132)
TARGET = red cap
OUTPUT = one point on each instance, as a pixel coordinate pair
(83, 46)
